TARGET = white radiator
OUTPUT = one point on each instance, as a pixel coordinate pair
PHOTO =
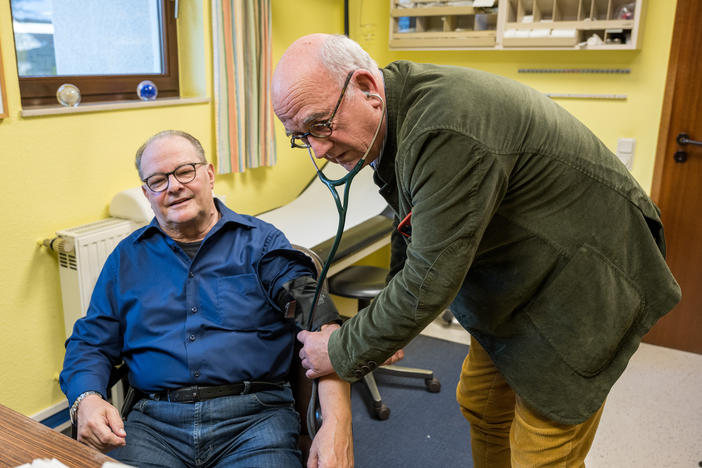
(82, 251)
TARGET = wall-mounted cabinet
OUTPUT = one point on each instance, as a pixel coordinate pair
(515, 24)
(441, 24)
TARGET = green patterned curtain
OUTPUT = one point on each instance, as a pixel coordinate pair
(242, 77)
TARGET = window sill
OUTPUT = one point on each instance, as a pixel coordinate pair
(111, 106)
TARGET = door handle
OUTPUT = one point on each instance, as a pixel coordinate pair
(683, 140)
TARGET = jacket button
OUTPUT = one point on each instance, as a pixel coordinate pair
(365, 369)
(372, 365)
(357, 373)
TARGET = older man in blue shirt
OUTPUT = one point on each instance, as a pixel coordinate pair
(198, 299)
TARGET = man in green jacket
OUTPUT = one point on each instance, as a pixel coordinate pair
(514, 215)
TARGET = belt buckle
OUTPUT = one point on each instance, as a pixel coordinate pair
(195, 393)
(247, 387)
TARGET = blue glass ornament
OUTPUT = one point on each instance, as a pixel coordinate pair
(147, 90)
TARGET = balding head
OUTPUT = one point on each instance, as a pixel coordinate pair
(319, 59)
(168, 134)
(321, 74)
(301, 59)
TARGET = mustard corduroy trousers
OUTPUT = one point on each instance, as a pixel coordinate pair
(505, 432)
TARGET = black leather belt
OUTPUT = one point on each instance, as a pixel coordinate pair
(207, 392)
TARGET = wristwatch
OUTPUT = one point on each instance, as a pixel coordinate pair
(74, 407)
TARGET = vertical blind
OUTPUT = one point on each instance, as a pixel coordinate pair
(243, 67)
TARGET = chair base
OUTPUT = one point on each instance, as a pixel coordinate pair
(380, 410)
(363, 283)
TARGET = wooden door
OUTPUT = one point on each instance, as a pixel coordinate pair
(677, 185)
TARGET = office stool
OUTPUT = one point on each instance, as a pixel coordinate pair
(364, 283)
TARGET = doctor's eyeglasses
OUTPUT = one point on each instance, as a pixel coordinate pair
(321, 129)
(184, 174)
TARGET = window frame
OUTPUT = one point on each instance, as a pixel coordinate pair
(41, 91)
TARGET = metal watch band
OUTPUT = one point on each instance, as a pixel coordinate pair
(74, 407)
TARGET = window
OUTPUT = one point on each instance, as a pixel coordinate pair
(105, 48)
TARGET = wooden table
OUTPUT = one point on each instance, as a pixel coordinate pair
(23, 439)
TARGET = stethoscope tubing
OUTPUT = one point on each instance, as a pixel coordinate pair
(313, 415)
(341, 208)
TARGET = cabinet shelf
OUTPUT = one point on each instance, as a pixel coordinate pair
(518, 24)
(448, 40)
(433, 11)
(583, 25)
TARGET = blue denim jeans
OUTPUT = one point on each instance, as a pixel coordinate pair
(255, 430)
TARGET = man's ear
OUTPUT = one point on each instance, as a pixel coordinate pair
(211, 174)
(366, 82)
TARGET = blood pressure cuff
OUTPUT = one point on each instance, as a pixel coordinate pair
(296, 297)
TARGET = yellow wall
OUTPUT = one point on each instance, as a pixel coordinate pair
(61, 171)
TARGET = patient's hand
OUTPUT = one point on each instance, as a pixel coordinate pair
(332, 447)
(99, 424)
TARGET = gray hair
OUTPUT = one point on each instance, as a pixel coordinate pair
(169, 133)
(340, 55)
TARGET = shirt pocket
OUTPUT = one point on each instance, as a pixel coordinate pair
(587, 311)
(241, 303)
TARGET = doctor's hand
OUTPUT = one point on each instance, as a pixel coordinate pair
(399, 355)
(99, 424)
(314, 353)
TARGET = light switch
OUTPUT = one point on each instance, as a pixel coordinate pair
(625, 151)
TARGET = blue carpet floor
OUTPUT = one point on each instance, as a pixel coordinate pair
(424, 429)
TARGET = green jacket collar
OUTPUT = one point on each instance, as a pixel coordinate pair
(384, 175)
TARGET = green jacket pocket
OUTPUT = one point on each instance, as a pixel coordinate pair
(586, 311)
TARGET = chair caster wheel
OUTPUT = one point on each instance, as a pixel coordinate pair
(381, 412)
(433, 385)
(447, 317)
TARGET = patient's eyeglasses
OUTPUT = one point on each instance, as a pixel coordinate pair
(321, 129)
(184, 174)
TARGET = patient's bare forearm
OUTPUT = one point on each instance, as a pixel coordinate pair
(335, 397)
(333, 445)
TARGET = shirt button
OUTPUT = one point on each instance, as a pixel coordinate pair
(191, 337)
(191, 274)
(196, 373)
(194, 310)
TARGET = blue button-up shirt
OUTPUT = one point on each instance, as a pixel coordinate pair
(178, 322)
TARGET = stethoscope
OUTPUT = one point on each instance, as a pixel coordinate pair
(313, 411)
